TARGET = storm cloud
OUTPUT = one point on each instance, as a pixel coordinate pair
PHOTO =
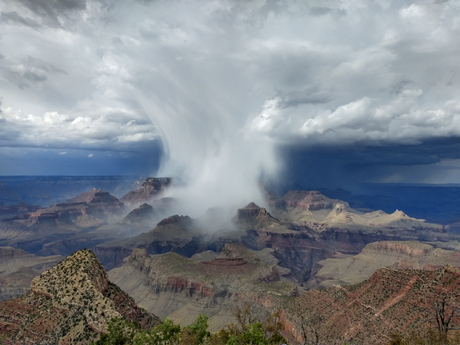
(315, 91)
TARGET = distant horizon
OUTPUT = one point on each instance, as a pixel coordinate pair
(304, 187)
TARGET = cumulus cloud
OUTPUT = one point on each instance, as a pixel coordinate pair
(224, 83)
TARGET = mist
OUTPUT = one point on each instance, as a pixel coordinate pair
(320, 93)
(208, 147)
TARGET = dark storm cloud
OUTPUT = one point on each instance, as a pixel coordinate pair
(346, 85)
(348, 166)
(15, 18)
(52, 12)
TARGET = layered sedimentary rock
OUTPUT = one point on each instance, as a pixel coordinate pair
(179, 234)
(100, 204)
(298, 246)
(15, 210)
(182, 288)
(150, 189)
(347, 269)
(390, 301)
(31, 231)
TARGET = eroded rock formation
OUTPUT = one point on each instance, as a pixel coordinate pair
(70, 303)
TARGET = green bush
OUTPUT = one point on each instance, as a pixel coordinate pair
(165, 333)
(121, 332)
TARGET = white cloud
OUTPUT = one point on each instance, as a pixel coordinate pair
(214, 79)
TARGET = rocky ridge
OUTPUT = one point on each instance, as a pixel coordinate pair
(390, 301)
(313, 209)
(70, 303)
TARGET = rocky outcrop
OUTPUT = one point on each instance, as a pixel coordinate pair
(140, 214)
(308, 200)
(70, 303)
(311, 208)
(178, 234)
(252, 212)
(100, 203)
(150, 188)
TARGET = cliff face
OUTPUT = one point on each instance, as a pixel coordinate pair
(181, 288)
(390, 301)
(308, 200)
(70, 303)
(311, 208)
(179, 234)
(348, 269)
(150, 188)
(100, 203)
(299, 247)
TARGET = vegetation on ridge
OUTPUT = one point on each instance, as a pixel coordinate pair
(247, 331)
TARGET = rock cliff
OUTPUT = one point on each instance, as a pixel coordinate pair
(348, 269)
(179, 234)
(150, 189)
(182, 288)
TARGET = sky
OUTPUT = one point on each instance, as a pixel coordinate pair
(322, 93)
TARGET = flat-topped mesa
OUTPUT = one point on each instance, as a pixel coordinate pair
(252, 212)
(308, 200)
(411, 248)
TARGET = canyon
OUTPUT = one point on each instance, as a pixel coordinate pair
(180, 267)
